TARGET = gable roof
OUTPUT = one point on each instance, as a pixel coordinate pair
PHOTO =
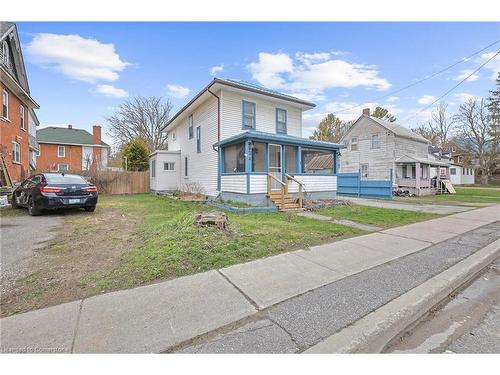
(398, 130)
(8, 33)
(56, 135)
(242, 85)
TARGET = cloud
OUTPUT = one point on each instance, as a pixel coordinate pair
(465, 73)
(348, 111)
(216, 69)
(112, 91)
(392, 99)
(427, 99)
(463, 97)
(310, 74)
(493, 65)
(76, 57)
(178, 91)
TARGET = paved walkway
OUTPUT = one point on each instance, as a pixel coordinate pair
(349, 223)
(167, 315)
(429, 208)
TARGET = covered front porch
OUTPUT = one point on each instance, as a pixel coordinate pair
(256, 167)
(422, 176)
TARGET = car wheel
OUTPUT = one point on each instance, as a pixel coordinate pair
(32, 210)
(90, 209)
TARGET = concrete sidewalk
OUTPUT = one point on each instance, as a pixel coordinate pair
(159, 317)
(409, 206)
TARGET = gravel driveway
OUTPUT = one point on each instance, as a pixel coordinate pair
(19, 237)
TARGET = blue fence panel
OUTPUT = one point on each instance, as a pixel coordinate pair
(352, 184)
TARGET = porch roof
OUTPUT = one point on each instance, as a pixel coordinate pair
(416, 159)
(280, 139)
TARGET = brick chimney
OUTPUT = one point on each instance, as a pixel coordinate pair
(96, 134)
(70, 126)
(366, 112)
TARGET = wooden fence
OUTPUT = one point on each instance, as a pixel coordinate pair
(110, 182)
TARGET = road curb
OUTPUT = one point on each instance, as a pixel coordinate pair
(374, 331)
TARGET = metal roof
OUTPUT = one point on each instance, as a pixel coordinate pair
(280, 139)
(418, 159)
(56, 135)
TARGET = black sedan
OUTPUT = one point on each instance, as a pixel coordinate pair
(50, 191)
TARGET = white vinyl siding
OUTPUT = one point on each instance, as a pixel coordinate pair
(169, 166)
(236, 183)
(314, 183)
(265, 114)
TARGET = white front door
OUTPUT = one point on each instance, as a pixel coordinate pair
(275, 165)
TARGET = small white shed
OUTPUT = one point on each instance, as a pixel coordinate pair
(164, 171)
(460, 175)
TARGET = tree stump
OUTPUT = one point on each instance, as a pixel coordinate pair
(215, 218)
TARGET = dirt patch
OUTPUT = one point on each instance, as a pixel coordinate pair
(85, 244)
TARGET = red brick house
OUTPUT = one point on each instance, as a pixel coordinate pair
(17, 116)
(70, 149)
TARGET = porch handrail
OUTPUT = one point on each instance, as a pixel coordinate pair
(270, 177)
(301, 186)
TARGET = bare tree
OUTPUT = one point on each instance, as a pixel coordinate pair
(441, 124)
(475, 126)
(427, 132)
(141, 117)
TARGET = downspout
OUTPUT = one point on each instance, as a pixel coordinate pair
(218, 140)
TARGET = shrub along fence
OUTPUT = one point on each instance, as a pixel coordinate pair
(120, 182)
(353, 185)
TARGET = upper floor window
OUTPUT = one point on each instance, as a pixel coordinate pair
(61, 151)
(22, 118)
(281, 118)
(16, 152)
(190, 125)
(375, 141)
(248, 115)
(5, 104)
(198, 139)
(354, 144)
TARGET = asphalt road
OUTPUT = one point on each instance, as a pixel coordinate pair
(300, 322)
(20, 236)
(468, 323)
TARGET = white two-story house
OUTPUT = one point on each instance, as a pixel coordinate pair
(382, 150)
(239, 141)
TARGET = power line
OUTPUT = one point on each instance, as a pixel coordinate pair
(453, 88)
(421, 80)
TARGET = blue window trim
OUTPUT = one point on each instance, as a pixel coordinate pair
(198, 139)
(243, 102)
(278, 131)
(190, 126)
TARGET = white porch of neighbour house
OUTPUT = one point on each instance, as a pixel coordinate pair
(254, 166)
(415, 173)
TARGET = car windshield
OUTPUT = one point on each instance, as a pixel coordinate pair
(64, 179)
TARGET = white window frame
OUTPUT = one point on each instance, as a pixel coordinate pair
(377, 143)
(153, 168)
(362, 173)
(64, 152)
(5, 102)
(22, 116)
(14, 153)
(170, 166)
(190, 127)
(354, 142)
(5, 53)
(59, 167)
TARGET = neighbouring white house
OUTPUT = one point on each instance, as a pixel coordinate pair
(240, 141)
(383, 150)
(461, 175)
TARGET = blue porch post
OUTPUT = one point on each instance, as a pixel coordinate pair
(282, 161)
(220, 167)
(299, 159)
(336, 155)
(248, 162)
